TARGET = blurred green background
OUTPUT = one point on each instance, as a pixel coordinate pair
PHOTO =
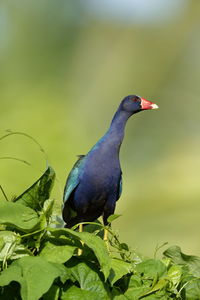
(65, 66)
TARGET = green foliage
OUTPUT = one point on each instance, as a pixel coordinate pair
(39, 261)
(36, 195)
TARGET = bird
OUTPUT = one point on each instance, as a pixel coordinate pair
(95, 182)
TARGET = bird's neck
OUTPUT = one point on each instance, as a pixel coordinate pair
(117, 126)
(114, 136)
(119, 120)
(110, 143)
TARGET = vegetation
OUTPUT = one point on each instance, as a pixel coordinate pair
(64, 71)
(39, 260)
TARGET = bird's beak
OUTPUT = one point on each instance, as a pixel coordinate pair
(145, 104)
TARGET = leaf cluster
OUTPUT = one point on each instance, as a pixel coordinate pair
(39, 260)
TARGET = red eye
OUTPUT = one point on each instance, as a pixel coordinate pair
(135, 99)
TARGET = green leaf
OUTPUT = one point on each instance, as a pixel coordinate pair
(160, 295)
(99, 248)
(124, 246)
(191, 261)
(135, 281)
(113, 217)
(57, 253)
(10, 247)
(88, 278)
(151, 268)
(94, 227)
(120, 297)
(18, 216)
(75, 293)
(48, 208)
(95, 243)
(174, 274)
(13, 273)
(118, 269)
(134, 293)
(136, 288)
(64, 272)
(35, 196)
(8, 241)
(34, 274)
(158, 286)
(191, 289)
(52, 294)
(20, 251)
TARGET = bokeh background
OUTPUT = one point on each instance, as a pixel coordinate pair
(65, 66)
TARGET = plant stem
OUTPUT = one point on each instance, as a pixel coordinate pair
(3, 192)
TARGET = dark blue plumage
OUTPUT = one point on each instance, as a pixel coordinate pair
(95, 182)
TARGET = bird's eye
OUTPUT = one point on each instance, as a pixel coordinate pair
(135, 99)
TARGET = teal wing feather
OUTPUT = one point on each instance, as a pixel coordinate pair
(73, 178)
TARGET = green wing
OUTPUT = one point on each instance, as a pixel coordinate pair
(73, 178)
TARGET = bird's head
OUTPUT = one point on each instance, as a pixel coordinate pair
(134, 104)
